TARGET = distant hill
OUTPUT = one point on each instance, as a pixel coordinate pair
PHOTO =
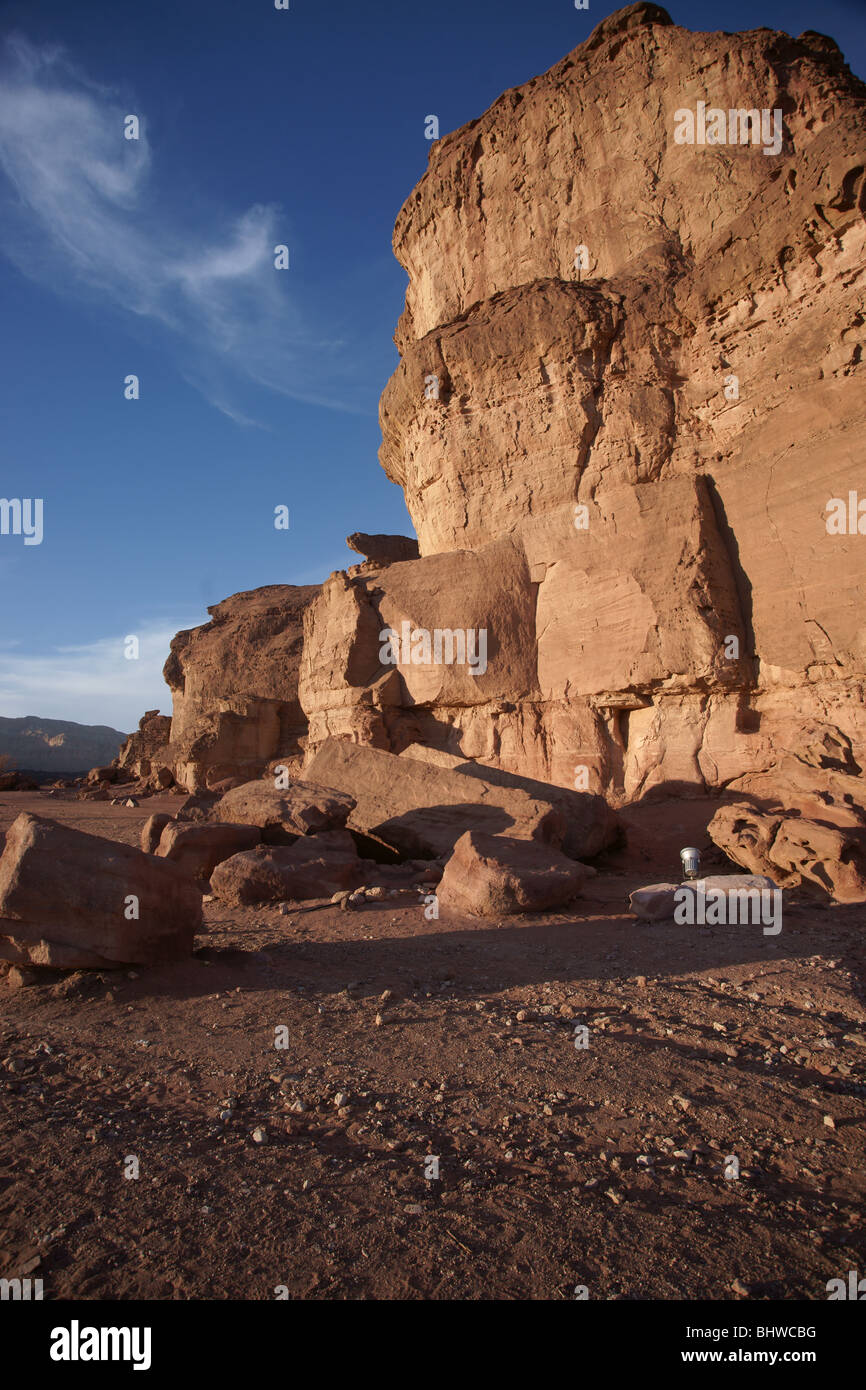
(48, 745)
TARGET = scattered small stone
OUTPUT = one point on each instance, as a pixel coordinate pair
(259, 1135)
(829, 1122)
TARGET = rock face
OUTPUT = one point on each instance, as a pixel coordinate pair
(628, 421)
(65, 896)
(234, 684)
(145, 753)
(57, 745)
(614, 470)
(489, 875)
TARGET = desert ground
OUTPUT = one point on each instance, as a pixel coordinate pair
(303, 1171)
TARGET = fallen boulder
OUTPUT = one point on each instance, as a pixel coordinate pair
(199, 848)
(72, 900)
(490, 875)
(590, 824)
(421, 809)
(282, 814)
(102, 774)
(197, 807)
(17, 782)
(315, 866)
(151, 831)
(383, 550)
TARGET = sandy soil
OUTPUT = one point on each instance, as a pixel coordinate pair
(559, 1167)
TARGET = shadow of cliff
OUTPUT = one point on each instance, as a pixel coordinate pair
(594, 944)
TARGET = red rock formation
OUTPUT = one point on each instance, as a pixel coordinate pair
(72, 900)
(644, 538)
(234, 685)
(631, 384)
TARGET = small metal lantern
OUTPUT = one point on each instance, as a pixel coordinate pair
(691, 861)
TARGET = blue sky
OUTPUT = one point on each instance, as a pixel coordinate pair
(154, 257)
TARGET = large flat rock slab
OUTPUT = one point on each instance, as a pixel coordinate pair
(658, 901)
(421, 810)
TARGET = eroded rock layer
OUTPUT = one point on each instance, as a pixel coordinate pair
(234, 685)
(631, 387)
(631, 383)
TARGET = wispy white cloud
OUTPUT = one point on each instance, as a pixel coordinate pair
(81, 215)
(91, 684)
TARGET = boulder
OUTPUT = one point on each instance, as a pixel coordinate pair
(151, 831)
(223, 785)
(383, 550)
(421, 809)
(197, 807)
(98, 775)
(491, 875)
(657, 902)
(315, 866)
(65, 896)
(302, 808)
(199, 848)
(794, 849)
(17, 782)
(234, 684)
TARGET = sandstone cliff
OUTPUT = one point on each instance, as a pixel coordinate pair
(619, 459)
(631, 382)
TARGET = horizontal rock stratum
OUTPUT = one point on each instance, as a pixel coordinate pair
(628, 422)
